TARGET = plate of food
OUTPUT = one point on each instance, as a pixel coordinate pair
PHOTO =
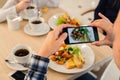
(72, 59)
(65, 18)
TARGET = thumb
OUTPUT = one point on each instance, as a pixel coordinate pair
(98, 43)
(62, 38)
(102, 16)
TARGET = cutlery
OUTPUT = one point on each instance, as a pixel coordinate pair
(17, 19)
(15, 62)
(87, 11)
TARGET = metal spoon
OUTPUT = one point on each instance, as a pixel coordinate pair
(15, 62)
(17, 19)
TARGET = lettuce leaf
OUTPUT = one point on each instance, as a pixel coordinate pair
(59, 21)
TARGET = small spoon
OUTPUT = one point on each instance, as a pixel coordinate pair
(15, 62)
(17, 19)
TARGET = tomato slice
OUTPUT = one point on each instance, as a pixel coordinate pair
(57, 53)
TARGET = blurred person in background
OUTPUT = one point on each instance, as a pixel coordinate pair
(14, 7)
(108, 8)
(112, 37)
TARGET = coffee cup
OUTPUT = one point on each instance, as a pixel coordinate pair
(36, 24)
(22, 53)
(31, 11)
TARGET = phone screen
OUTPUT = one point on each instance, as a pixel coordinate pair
(83, 34)
(18, 75)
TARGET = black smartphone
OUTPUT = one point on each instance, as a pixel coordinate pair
(87, 76)
(82, 34)
(17, 75)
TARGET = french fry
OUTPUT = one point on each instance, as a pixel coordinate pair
(81, 58)
(77, 61)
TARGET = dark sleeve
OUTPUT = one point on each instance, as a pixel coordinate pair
(38, 68)
(119, 5)
(100, 8)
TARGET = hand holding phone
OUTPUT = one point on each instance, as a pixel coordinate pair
(82, 34)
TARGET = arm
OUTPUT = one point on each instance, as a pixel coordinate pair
(39, 62)
(8, 9)
(38, 68)
(100, 8)
(116, 44)
(12, 7)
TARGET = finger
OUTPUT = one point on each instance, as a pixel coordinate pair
(95, 23)
(63, 26)
(62, 38)
(99, 24)
(99, 43)
(59, 29)
(102, 16)
(96, 43)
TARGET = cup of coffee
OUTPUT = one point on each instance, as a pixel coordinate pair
(22, 53)
(31, 11)
(36, 24)
(30, 7)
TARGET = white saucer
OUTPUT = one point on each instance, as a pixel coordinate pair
(14, 66)
(28, 30)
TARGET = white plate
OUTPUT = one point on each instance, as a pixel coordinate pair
(28, 30)
(14, 66)
(52, 20)
(87, 53)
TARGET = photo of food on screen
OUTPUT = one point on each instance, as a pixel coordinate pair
(82, 34)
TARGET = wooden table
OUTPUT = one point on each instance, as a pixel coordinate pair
(8, 39)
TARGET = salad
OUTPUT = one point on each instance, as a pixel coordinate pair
(68, 55)
(80, 34)
(66, 19)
